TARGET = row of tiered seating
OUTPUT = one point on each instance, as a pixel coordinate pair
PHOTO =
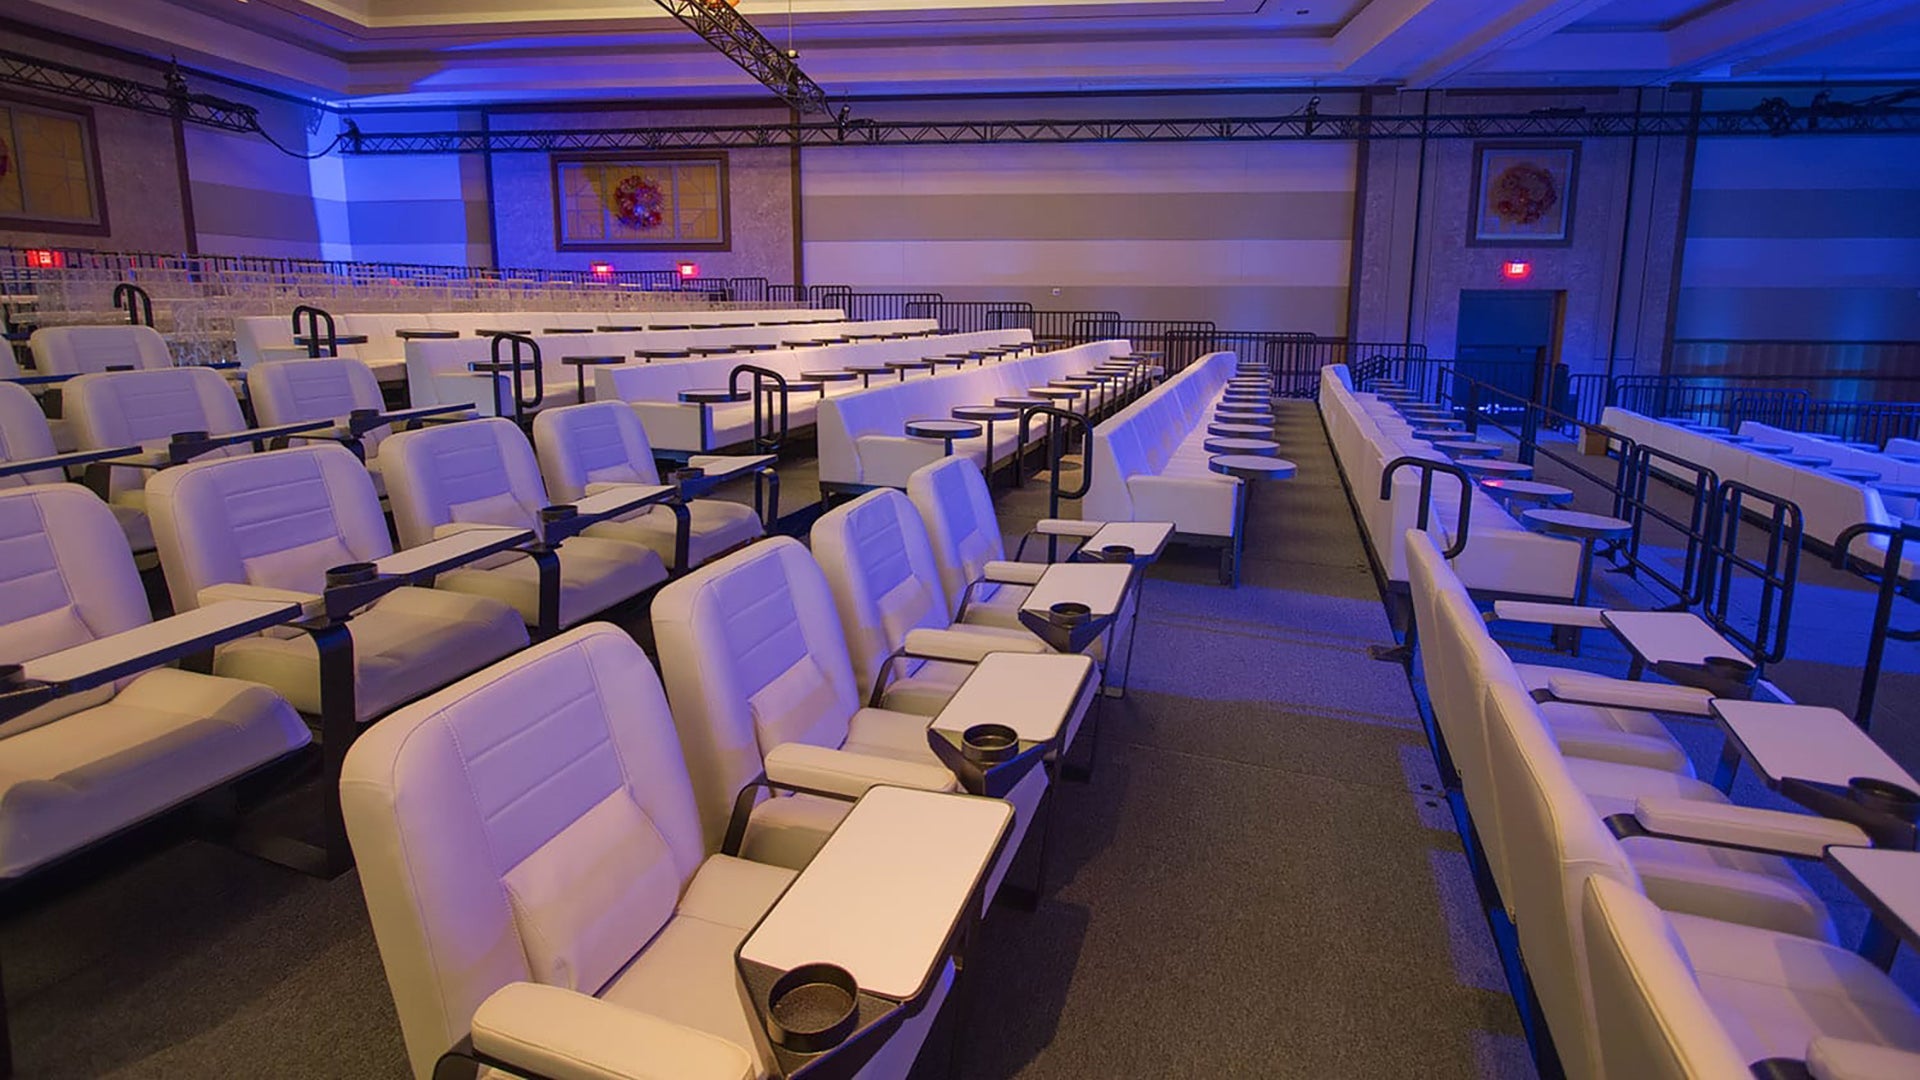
(1662, 928)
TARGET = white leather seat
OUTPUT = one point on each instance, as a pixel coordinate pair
(482, 472)
(269, 526)
(878, 563)
(584, 446)
(79, 350)
(292, 391)
(534, 824)
(81, 767)
(147, 408)
(754, 662)
(1678, 998)
(957, 509)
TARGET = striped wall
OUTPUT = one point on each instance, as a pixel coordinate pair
(1803, 239)
(426, 208)
(249, 198)
(1248, 235)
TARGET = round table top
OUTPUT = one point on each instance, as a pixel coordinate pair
(1252, 467)
(1771, 448)
(1221, 416)
(985, 412)
(1250, 384)
(1436, 421)
(1736, 440)
(942, 429)
(1807, 461)
(840, 375)
(1898, 490)
(1821, 436)
(1057, 393)
(426, 333)
(1018, 401)
(1871, 448)
(593, 360)
(1577, 524)
(765, 346)
(870, 369)
(711, 395)
(1250, 430)
(1531, 490)
(1075, 383)
(947, 361)
(910, 365)
(805, 386)
(357, 339)
(1259, 392)
(1905, 459)
(662, 354)
(619, 329)
(1858, 476)
(1238, 445)
(1468, 446)
(1243, 407)
(1496, 467)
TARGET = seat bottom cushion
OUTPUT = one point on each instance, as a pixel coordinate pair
(788, 831)
(1776, 993)
(1617, 735)
(925, 689)
(167, 736)
(411, 642)
(595, 574)
(715, 526)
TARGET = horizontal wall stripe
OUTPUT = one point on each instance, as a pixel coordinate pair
(455, 254)
(244, 163)
(1831, 262)
(411, 221)
(1804, 214)
(223, 210)
(1799, 314)
(219, 244)
(1319, 310)
(1308, 215)
(1861, 162)
(1184, 169)
(916, 264)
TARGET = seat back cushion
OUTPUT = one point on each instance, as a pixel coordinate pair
(875, 554)
(66, 578)
(751, 650)
(599, 443)
(475, 472)
(962, 527)
(24, 435)
(1544, 813)
(122, 408)
(531, 822)
(1653, 1021)
(278, 520)
(76, 350)
(291, 391)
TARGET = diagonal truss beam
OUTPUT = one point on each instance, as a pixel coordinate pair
(724, 28)
(1780, 119)
(171, 100)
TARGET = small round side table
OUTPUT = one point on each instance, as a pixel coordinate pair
(1582, 526)
(944, 430)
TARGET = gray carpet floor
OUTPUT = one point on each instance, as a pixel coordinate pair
(1260, 878)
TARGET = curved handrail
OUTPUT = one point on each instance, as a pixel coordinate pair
(125, 295)
(1785, 528)
(1888, 585)
(767, 443)
(1428, 467)
(315, 316)
(1055, 452)
(522, 405)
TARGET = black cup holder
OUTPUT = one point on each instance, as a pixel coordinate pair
(1727, 667)
(987, 744)
(1067, 613)
(1885, 796)
(813, 1008)
(353, 573)
(559, 512)
(690, 473)
(15, 674)
(363, 418)
(187, 437)
(1117, 553)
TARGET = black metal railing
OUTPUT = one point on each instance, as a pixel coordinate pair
(1888, 583)
(878, 306)
(966, 316)
(1777, 572)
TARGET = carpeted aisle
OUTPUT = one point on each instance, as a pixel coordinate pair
(1259, 880)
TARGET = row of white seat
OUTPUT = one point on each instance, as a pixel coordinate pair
(654, 389)
(862, 436)
(1501, 556)
(270, 337)
(1828, 503)
(416, 792)
(1150, 461)
(1662, 929)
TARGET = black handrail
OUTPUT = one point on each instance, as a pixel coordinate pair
(1428, 467)
(1887, 579)
(1056, 452)
(1631, 503)
(315, 316)
(126, 295)
(764, 439)
(517, 363)
(1778, 575)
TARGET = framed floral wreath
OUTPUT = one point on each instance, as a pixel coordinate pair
(1523, 194)
(638, 203)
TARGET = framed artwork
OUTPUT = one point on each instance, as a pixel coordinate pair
(635, 202)
(1523, 194)
(49, 168)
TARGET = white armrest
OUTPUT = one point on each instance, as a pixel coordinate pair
(728, 466)
(454, 544)
(1806, 835)
(1528, 611)
(1579, 686)
(131, 651)
(552, 1031)
(234, 590)
(843, 772)
(1002, 572)
(965, 647)
(1067, 527)
(1829, 1058)
(613, 500)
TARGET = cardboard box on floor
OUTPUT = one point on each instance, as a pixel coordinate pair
(1593, 441)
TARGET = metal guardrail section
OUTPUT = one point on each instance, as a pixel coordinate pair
(1777, 572)
(1888, 583)
(965, 316)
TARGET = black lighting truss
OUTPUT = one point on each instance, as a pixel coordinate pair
(1317, 127)
(726, 29)
(172, 99)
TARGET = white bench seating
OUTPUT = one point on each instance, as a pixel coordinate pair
(683, 427)
(1150, 459)
(1501, 557)
(863, 443)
